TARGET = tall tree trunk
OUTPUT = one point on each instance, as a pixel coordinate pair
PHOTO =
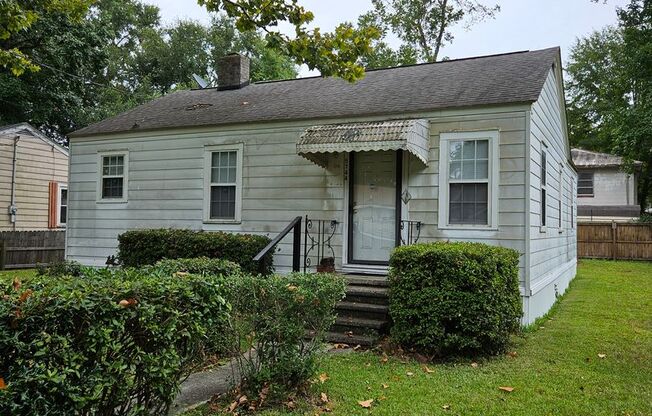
(645, 184)
(442, 30)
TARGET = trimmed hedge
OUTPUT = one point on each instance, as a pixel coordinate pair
(450, 299)
(201, 265)
(145, 247)
(108, 342)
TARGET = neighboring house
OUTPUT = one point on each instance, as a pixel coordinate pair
(605, 192)
(472, 149)
(33, 180)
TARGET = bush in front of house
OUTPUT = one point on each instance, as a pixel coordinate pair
(109, 342)
(145, 247)
(60, 268)
(282, 322)
(454, 299)
(200, 265)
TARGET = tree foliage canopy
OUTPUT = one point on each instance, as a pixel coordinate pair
(425, 26)
(116, 56)
(610, 90)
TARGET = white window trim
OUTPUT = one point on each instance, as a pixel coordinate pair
(208, 150)
(125, 176)
(543, 205)
(60, 187)
(494, 175)
(560, 203)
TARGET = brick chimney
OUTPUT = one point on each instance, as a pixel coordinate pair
(233, 72)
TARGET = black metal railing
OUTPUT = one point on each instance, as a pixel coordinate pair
(318, 237)
(410, 232)
(295, 226)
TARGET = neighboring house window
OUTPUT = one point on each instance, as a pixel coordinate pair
(468, 179)
(62, 212)
(223, 179)
(585, 184)
(544, 175)
(113, 181)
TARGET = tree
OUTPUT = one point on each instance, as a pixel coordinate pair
(16, 16)
(426, 25)
(381, 55)
(333, 54)
(117, 57)
(610, 91)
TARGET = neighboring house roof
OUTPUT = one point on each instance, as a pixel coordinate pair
(22, 128)
(588, 159)
(489, 80)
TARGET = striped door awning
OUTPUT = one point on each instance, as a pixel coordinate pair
(410, 135)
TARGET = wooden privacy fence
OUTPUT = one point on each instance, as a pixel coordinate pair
(25, 249)
(623, 241)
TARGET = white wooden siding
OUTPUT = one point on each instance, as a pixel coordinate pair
(38, 163)
(166, 183)
(552, 249)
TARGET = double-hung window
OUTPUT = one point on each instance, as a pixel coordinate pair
(585, 184)
(468, 178)
(62, 212)
(112, 186)
(223, 183)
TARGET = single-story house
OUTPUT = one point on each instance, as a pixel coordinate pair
(33, 180)
(471, 149)
(605, 191)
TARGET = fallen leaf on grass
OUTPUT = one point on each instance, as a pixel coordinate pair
(292, 288)
(349, 334)
(427, 370)
(512, 354)
(381, 398)
(290, 405)
(507, 389)
(357, 347)
(602, 355)
(16, 284)
(3, 385)
(323, 377)
(385, 385)
(474, 365)
(239, 401)
(324, 398)
(367, 364)
(26, 294)
(409, 373)
(446, 407)
(340, 346)
(366, 403)
(384, 358)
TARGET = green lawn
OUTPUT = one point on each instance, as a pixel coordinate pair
(21, 273)
(556, 369)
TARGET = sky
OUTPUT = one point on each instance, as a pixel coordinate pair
(520, 25)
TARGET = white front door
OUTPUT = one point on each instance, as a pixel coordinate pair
(373, 207)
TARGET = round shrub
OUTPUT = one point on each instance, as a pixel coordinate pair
(450, 299)
(111, 342)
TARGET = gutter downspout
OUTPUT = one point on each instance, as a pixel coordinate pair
(12, 205)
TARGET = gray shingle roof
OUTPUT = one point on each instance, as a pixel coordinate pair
(588, 159)
(490, 80)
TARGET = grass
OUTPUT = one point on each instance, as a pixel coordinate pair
(20, 273)
(556, 369)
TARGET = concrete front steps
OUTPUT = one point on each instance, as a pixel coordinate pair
(363, 315)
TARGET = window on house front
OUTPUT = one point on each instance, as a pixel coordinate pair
(468, 192)
(585, 184)
(113, 183)
(63, 205)
(223, 177)
(544, 179)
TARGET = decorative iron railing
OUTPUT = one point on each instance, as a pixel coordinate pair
(317, 243)
(410, 232)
